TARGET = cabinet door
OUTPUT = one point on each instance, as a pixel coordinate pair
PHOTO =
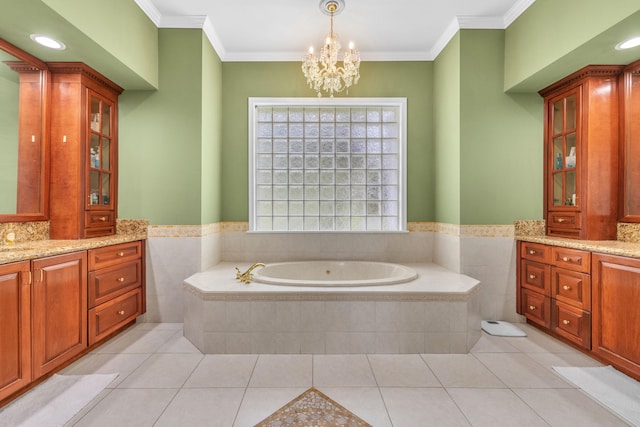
(615, 313)
(15, 334)
(59, 310)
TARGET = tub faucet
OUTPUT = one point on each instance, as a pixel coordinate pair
(247, 276)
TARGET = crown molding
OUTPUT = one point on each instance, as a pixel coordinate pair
(459, 22)
(150, 10)
(516, 10)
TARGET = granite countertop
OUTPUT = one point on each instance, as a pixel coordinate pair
(127, 231)
(627, 244)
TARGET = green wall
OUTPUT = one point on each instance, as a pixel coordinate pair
(166, 136)
(501, 152)
(553, 38)
(115, 37)
(447, 133)
(412, 80)
(211, 161)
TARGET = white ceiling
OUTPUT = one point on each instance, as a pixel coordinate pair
(283, 30)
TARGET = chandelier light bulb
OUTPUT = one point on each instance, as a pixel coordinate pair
(323, 72)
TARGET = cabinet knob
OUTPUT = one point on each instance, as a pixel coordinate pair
(120, 253)
(566, 287)
(121, 312)
(532, 276)
(532, 252)
(566, 322)
(532, 307)
(120, 279)
(103, 218)
(565, 258)
(560, 219)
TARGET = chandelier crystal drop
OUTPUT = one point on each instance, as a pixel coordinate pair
(324, 73)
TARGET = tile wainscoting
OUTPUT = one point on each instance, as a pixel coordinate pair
(486, 253)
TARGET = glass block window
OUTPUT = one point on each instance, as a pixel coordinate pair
(327, 165)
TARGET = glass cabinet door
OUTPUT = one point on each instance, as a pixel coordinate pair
(100, 156)
(564, 150)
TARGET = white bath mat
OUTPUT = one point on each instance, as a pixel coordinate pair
(502, 329)
(611, 388)
(55, 401)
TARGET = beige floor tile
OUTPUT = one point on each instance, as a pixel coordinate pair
(568, 408)
(518, 370)
(365, 402)
(494, 407)
(402, 370)
(491, 344)
(259, 403)
(275, 370)
(549, 360)
(223, 370)
(211, 407)
(162, 371)
(351, 370)
(178, 344)
(121, 364)
(124, 408)
(158, 326)
(461, 370)
(538, 342)
(412, 407)
(137, 341)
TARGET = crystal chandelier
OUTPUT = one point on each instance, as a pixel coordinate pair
(324, 73)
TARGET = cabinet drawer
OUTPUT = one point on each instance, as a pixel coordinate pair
(572, 323)
(571, 287)
(564, 220)
(535, 276)
(99, 219)
(535, 252)
(116, 254)
(109, 282)
(571, 259)
(536, 307)
(108, 317)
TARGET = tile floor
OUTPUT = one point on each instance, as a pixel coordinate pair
(165, 381)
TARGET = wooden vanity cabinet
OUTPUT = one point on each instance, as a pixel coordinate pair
(116, 288)
(59, 310)
(581, 154)
(15, 333)
(84, 144)
(616, 314)
(554, 289)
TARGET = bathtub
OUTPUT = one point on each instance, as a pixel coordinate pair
(334, 274)
(428, 310)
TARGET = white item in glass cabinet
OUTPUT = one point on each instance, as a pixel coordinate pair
(95, 122)
(570, 162)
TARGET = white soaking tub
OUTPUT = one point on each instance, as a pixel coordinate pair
(334, 273)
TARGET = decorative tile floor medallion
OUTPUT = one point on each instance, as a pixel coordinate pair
(312, 408)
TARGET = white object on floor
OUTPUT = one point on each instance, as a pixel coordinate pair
(502, 329)
(55, 401)
(610, 387)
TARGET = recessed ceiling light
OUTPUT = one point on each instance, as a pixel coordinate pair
(628, 44)
(47, 41)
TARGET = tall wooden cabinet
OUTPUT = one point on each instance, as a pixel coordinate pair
(84, 144)
(15, 333)
(581, 154)
(630, 140)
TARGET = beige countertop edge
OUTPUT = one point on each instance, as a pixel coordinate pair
(44, 248)
(611, 247)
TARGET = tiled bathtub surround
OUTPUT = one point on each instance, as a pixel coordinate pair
(176, 252)
(437, 313)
